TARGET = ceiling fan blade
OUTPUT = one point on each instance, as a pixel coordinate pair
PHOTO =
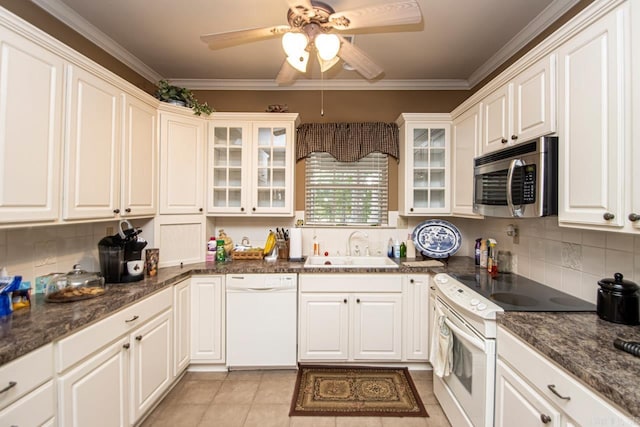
(359, 60)
(398, 13)
(221, 40)
(287, 74)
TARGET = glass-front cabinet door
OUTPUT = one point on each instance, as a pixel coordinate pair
(229, 149)
(424, 185)
(273, 168)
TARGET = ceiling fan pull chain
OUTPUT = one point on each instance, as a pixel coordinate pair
(321, 94)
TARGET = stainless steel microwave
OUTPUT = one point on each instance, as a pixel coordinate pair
(520, 181)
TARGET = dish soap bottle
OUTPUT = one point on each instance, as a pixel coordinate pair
(396, 249)
(411, 248)
(390, 248)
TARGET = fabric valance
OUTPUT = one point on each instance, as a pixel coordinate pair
(347, 142)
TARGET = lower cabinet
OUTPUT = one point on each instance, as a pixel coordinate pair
(364, 323)
(207, 320)
(23, 412)
(532, 391)
(181, 326)
(415, 336)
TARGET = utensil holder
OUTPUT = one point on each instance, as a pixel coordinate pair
(283, 249)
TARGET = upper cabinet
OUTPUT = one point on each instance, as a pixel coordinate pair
(182, 139)
(522, 109)
(261, 146)
(424, 171)
(466, 142)
(31, 94)
(593, 79)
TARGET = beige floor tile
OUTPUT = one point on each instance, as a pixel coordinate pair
(437, 418)
(204, 376)
(240, 392)
(280, 374)
(178, 416)
(358, 422)
(421, 375)
(245, 375)
(312, 422)
(266, 415)
(275, 391)
(404, 421)
(225, 415)
(197, 392)
(425, 390)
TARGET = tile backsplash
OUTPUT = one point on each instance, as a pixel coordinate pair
(571, 260)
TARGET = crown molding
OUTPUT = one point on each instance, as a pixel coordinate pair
(344, 84)
(76, 22)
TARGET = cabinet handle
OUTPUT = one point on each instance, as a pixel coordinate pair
(633, 217)
(344, 300)
(358, 300)
(608, 216)
(128, 210)
(116, 211)
(546, 419)
(504, 140)
(552, 387)
(514, 137)
(126, 346)
(433, 288)
(11, 385)
(139, 338)
(132, 319)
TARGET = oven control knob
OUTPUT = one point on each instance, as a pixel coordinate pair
(474, 301)
(481, 306)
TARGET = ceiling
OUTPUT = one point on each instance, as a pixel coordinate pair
(458, 43)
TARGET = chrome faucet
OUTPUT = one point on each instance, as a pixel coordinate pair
(357, 248)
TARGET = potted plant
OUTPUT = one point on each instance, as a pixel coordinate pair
(181, 96)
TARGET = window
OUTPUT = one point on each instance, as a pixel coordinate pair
(346, 193)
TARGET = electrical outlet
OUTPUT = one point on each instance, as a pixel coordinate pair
(109, 231)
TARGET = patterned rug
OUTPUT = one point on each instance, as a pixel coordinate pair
(355, 391)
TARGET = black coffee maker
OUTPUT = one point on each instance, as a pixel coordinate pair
(117, 251)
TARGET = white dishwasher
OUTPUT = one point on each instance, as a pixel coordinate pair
(261, 320)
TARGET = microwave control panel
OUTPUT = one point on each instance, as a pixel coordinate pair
(529, 185)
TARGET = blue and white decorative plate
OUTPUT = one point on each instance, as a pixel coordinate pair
(436, 238)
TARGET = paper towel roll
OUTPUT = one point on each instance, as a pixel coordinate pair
(295, 243)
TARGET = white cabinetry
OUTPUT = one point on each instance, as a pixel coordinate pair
(466, 143)
(181, 326)
(522, 109)
(251, 164)
(532, 391)
(424, 170)
(633, 213)
(28, 396)
(114, 384)
(92, 147)
(207, 320)
(415, 335)
(352, 318)
(182, 138)
(31, 81)
(593, 74)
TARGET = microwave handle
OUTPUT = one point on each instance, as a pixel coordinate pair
(516, 212)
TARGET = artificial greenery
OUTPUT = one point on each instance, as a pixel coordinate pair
(167, 92)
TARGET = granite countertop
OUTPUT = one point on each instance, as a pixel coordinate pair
(582, 344)
(27, 329)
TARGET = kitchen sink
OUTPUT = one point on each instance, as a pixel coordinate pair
(350, 262)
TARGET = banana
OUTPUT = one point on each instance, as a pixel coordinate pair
(270, 243)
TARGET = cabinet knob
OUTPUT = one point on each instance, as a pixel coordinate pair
(253, 209)
(11, 385)
(126, 346)
(200, 209)
(546, 419)
(514, 137)
(139, 338)
(410, 209)
(116, 211)
(552, 387)
(358, 300)
(504, 140)
(633, 217)
(608, 216)
(411, 281)
(241, 209)
(132, 319)
(344, 300)
(128, 210)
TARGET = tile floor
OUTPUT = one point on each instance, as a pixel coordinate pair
(263, 398)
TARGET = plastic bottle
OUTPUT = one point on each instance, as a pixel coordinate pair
(477, 251)
(403, 250)
(484, 253)
(396, 249)
(316, 246)
(492, 259)
(220, 254)
(390, 248)
(211, 250)
(411, 248)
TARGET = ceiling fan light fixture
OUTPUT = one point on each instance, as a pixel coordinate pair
(327, 45)
(294, 43)
(299, 61)
(326, 65)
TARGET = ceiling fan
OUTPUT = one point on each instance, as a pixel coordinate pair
(312, 25)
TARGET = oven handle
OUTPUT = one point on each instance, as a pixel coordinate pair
(473, 340)
(512, 167)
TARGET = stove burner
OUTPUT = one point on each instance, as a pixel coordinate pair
(514, 299)
(571, 302)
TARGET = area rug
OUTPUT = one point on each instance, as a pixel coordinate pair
(355, 391)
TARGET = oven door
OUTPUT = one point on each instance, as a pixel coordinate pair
(471, 381)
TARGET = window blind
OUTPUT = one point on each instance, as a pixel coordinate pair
(349, 193)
